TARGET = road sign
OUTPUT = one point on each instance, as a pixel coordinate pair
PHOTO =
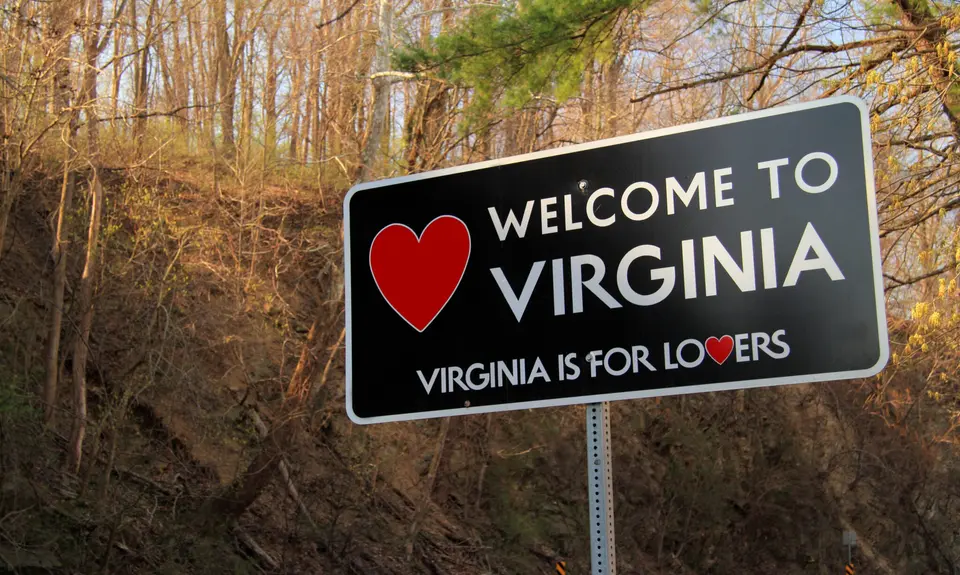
(849, 570)
(850, 538)
(561, 568)
(734, 253)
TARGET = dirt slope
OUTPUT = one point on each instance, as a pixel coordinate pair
(202, 306)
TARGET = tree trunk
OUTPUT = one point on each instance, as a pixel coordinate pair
(313, 97)
(59, 253)
(94, 17)
(206, 88)
(180, 74)
(270, 97)
(294, 100)
(613, 78)
(416, 110)
(61, 20)
(140, 88)
(309, 111)
(11, 184)
(119, 45)
(226, 76)
(59, 24)
(11, 127)
(381, 91)
(246, 107)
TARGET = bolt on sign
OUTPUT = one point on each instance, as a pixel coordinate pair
(734, 253)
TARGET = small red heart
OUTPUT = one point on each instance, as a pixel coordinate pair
(417, 276)
(719, 349)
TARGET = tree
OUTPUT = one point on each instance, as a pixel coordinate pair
(381, 90)
(141, 74)
(226, 83)
(518, 52)
(93, 20)
(61, 95)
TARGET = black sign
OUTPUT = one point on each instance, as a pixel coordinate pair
(734, 253)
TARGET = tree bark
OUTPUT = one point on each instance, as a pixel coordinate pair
(246, 107)
(93, 20)
(11, 125)
(296, 81)
(59, 24)
(141, 75)
(207, 77)
(226, 78)
(270, 96)
(613, 79)
(11, 184)
(180, 73)
(381, 91)
(59, 254)
(313, 94)
(119, 45)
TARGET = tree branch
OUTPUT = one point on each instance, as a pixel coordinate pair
(815, 48)
(338, 17)
(903, 283)
(783, 46)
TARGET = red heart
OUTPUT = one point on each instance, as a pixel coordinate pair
(417, 276)
(719, 349)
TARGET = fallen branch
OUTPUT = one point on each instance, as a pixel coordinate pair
(255, 548)
(284, 471)
(145, 481)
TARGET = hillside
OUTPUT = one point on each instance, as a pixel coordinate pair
(203, 306)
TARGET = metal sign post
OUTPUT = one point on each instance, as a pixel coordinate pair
(850, 541)
(600, 479)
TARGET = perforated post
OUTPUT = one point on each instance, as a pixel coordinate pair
(603, 555)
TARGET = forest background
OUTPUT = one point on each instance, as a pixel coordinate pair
(171, 298)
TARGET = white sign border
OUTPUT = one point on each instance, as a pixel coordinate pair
(639, 394)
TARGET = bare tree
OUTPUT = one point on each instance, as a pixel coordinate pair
(93, 19)
(141, 75)
(225, 73)
(60, 23)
